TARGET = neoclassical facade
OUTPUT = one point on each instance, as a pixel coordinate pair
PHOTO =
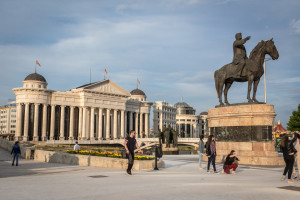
(96, 111)
(188, 123)
(164, 114)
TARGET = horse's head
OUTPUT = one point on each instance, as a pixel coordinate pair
(271, 49)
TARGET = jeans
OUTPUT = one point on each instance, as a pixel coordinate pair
(16, 156)
(130, 161)
(289, 164)
(212, 159)
(200, 159)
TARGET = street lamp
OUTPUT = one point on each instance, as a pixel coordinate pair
(266, 59)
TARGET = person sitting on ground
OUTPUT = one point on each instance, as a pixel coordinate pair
(76, 147)
(230, 162)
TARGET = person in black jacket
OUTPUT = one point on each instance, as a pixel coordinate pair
(230, 162)
(288, 150)
(16, 151)
(211, 152)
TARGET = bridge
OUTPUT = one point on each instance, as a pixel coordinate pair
(144, 143)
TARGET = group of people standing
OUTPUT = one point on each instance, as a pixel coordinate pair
(211, 153)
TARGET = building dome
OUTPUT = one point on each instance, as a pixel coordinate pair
(182, 105)
(35, 77)
(137, 92)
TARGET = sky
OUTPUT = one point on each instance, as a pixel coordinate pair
(172, 46)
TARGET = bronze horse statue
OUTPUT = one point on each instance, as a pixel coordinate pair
(253, 71)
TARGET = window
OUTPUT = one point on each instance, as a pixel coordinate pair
(12, 131)
(39, 86)
(13, 121)
(13, 115)
(13, 126)
(13, 110)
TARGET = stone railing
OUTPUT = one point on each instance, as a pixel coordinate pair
(8, 145)
(93, 161)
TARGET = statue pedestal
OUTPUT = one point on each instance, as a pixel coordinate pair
(247, 129)
(170, 150)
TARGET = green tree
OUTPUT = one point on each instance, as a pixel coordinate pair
(294, 123)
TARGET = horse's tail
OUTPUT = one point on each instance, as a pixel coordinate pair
(216, 80)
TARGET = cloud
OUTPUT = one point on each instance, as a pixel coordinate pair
(295, 24)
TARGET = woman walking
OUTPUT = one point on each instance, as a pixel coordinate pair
(288, 150)
(211, 152)
(201, 151)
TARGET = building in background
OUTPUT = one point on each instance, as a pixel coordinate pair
(8, 118)
(164, 114)
(181, 117)
(204, 130)
(95, 111)
(187, 122)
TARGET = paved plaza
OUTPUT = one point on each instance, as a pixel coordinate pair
(181, 179)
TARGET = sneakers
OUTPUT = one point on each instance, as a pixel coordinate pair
(216, 172)
(208, 171)
(282, 178)
(128, 172)
(290, 181)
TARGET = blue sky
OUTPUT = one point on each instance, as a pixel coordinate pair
(172, 46)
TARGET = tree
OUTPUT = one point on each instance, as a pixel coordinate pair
(294, 123)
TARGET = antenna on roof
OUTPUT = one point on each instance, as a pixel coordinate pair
(90, 75)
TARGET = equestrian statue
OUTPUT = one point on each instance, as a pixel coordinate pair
(243, 69)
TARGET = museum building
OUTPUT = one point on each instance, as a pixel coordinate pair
(96, 111)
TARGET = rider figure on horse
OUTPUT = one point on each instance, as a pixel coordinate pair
(239, 53)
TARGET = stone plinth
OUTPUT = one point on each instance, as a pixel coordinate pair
(170, 150)
(246, 128)
(249, 153)
(242, 123)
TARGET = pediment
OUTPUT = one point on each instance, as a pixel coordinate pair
(106, 86)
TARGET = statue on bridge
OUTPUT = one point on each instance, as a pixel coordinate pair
(168, 136)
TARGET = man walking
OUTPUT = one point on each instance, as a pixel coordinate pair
(130, 143)
(16, 151)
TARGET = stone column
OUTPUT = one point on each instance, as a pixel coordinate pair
(80, 123)
(25, 137)
(115, 123)
(147, 125)
(161, 121)
(137, 124)
(19, 122)
(130, 121)
(141, 125)
(92, 129)
(107, 124)
(185, 129)
(71, 135)
(52, 123)
(192, 130)
(125, 128)
(122, 124)
(44, 125)
(62, 123)
(100, 137)
(36, 123)
(83, 123)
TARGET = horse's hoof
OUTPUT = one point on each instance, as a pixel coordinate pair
(250, 101)
(227, 103)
